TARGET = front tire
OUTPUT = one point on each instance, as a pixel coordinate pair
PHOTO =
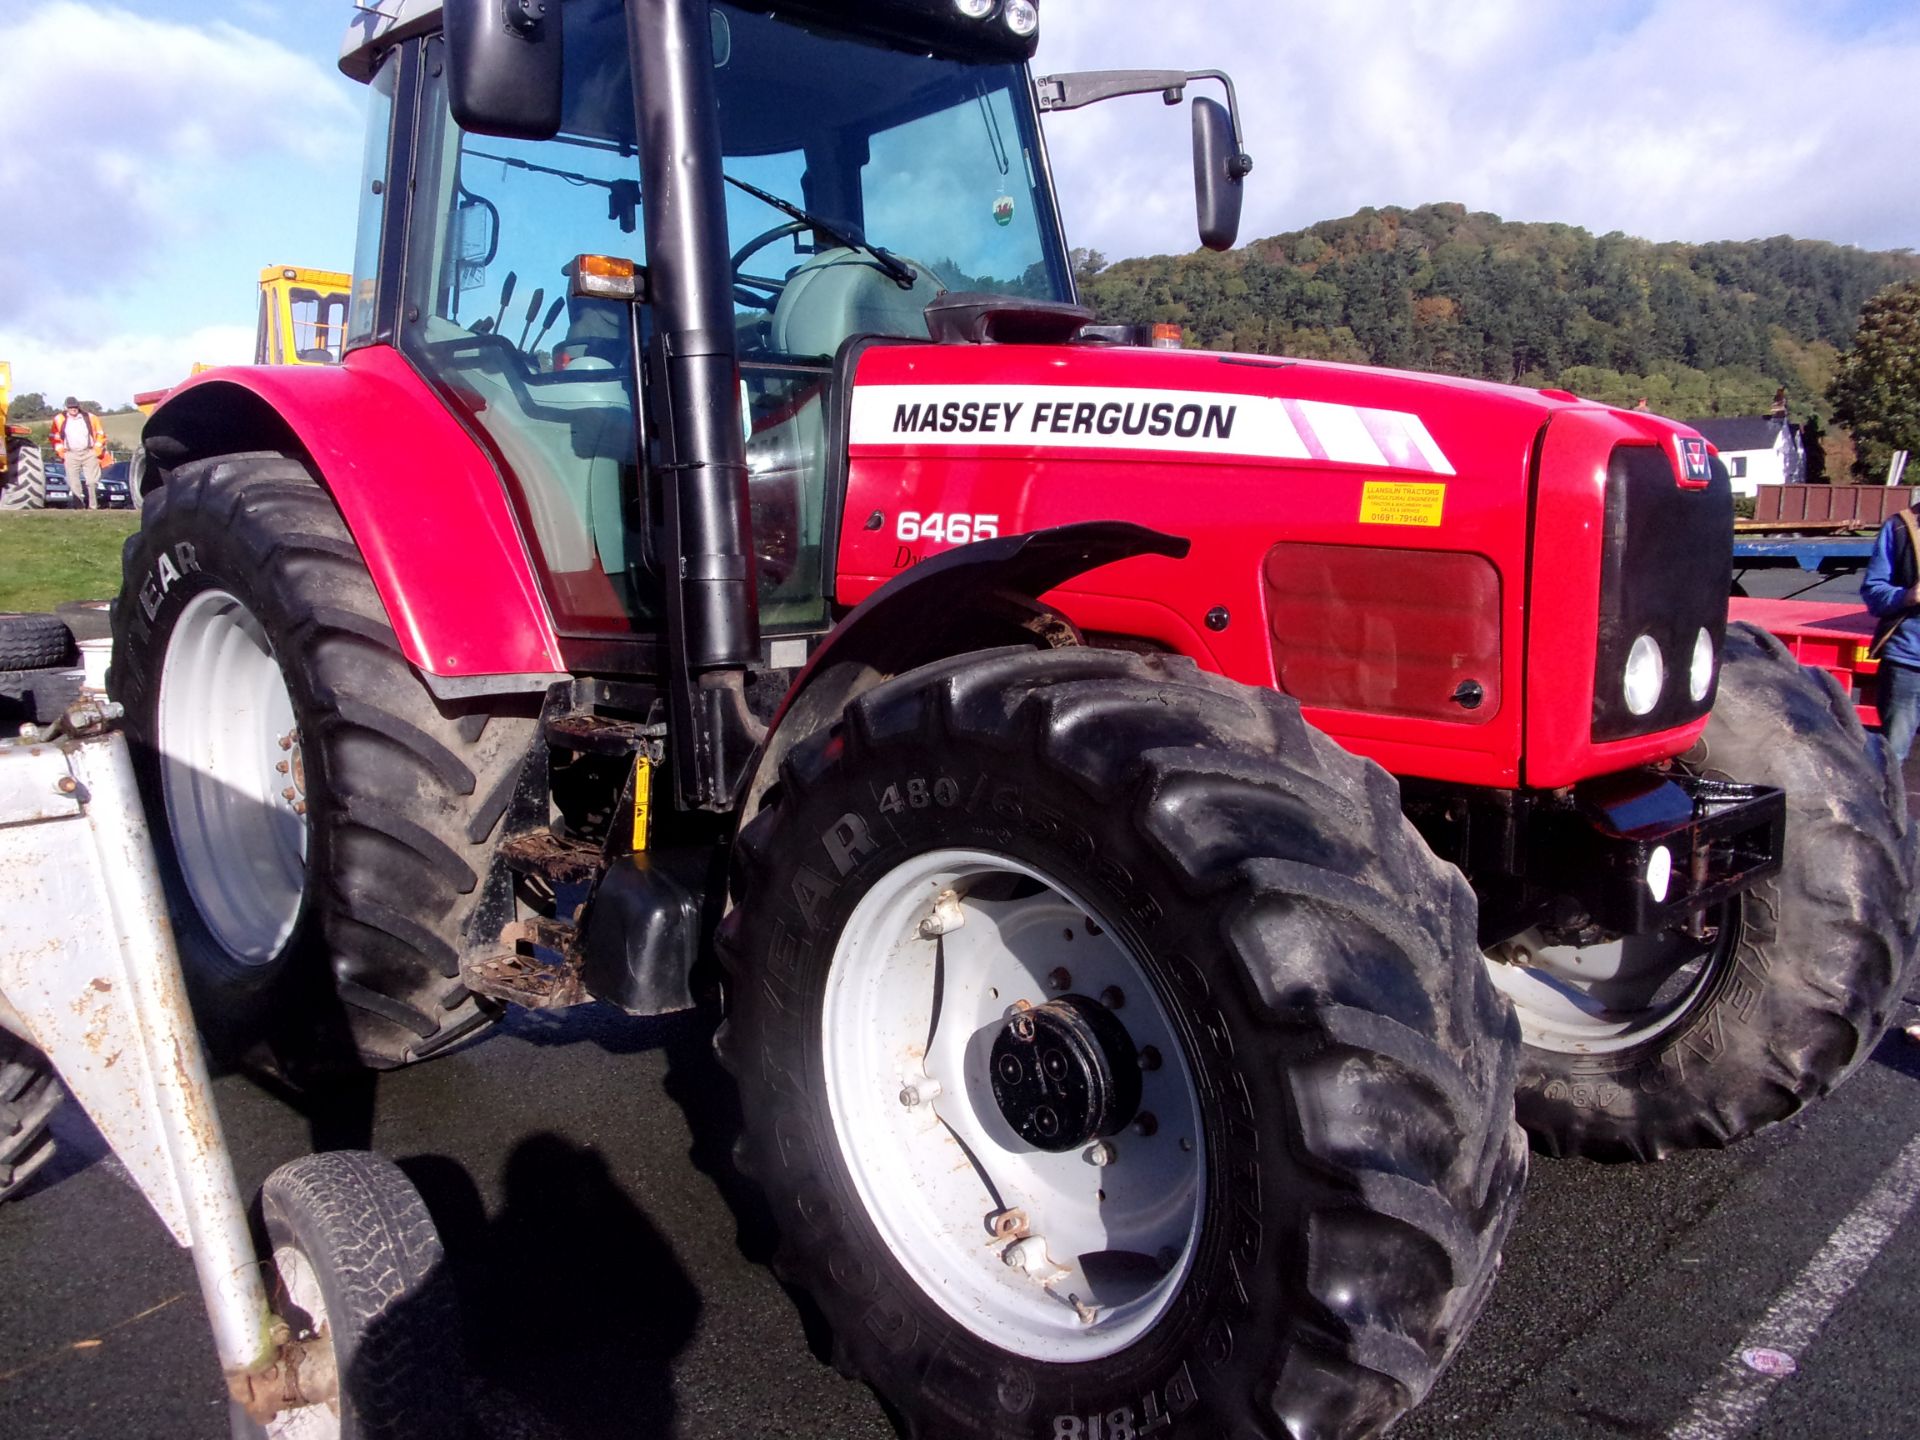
(1798, 977)
(1326, 1158)
(327, 822)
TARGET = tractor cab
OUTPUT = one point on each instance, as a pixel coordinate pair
(864, 169)
(818, 177)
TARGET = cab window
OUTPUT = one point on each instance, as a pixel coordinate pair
(547, 381)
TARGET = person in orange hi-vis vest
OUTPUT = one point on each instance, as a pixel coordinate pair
(80, 442)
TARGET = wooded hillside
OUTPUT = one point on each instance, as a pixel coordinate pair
(1694, 329)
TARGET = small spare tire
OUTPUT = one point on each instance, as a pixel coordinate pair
(34, 642)
(28, 1095)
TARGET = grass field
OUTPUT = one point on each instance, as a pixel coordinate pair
(47, 556)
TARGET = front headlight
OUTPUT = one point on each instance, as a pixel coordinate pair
(1022, 17)
(1645, 677)
(974, 9)
(1700, 672)
(1660, 874)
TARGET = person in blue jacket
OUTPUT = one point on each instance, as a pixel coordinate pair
(1891, 590)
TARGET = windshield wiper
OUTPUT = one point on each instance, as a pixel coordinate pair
(897, 270)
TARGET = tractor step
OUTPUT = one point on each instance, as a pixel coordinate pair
(524, 975)
(553, 858)
(591, 734)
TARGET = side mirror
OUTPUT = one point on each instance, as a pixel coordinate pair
(503, 66)
(1219, 174)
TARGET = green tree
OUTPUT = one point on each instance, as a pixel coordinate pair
(1876, 392)
(30, 406)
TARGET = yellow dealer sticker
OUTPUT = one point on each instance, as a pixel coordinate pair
(1393, 502)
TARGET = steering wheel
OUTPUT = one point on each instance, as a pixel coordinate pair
(744, 285)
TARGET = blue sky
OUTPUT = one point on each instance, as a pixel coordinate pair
(205, 140)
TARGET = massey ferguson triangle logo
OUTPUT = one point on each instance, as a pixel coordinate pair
(1695, 464)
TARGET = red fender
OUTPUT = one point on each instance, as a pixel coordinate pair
(424, 502)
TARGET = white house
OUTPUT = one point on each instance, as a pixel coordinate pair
(1756, 449)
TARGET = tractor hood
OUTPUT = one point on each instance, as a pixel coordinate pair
(1336, 514)
(1185, 406)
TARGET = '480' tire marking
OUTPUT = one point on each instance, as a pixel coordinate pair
(919, 793)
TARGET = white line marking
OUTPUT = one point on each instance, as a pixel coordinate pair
(1730, 1403)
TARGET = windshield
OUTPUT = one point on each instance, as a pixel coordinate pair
(936, 161)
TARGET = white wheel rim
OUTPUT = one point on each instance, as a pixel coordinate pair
(1603, 998)
(304, 1308)
(232, 771)
(1091, 1274)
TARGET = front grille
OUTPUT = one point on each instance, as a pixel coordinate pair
(1666, 569)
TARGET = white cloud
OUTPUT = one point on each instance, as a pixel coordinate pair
(162, 139)
(115, 368)
(1670, 119)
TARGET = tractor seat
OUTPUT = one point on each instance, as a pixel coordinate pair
(841, 293)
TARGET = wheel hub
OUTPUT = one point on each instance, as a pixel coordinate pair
(956, 1027)
(1065, 1072)
(234, 776)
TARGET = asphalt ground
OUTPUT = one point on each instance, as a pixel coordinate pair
(611, 1276)
(609, 1289)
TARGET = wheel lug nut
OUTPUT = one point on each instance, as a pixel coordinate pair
(918, 1092)
(947, 916)
(1112, 997)
(1146, 1124)
(287, 794)
(1149, 1058)
(282, 767)
(1059, 979)
(1101, 1154)
(299, 807)
(286, 741)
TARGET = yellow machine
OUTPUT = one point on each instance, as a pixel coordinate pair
(23, 481)
(303, 316)
(303, 320)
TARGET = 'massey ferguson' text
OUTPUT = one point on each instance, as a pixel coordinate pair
(1067, 417)
(1188, 424)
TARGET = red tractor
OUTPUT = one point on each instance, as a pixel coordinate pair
(1155, 812)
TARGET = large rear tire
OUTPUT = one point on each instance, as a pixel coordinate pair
(1697, 1043)
(326, 821)
(26, 486)
(1281, 1221)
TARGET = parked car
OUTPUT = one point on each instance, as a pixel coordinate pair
(58, 495)
(116, 487)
